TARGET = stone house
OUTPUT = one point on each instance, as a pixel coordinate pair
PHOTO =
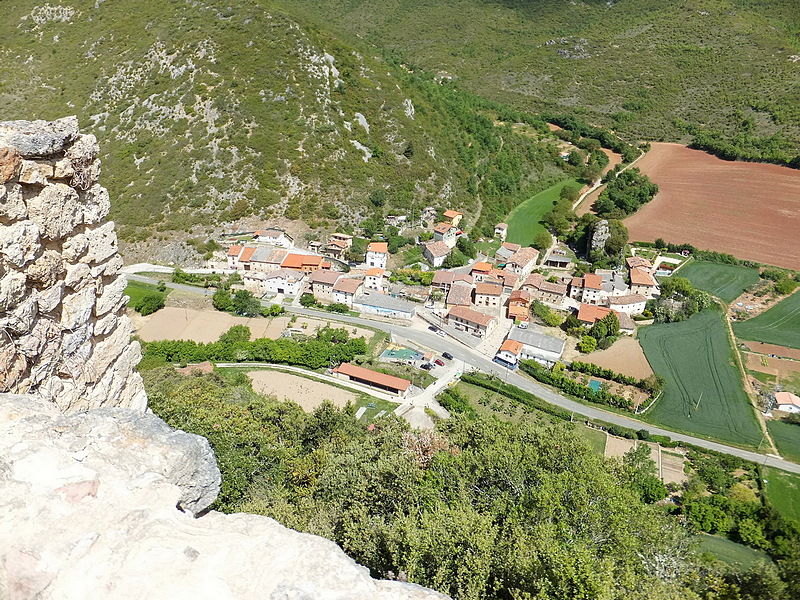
(523, 261)
(436, 252)
(519, 305)
(501, 231)
(344, 290)
(322, 283)
(471, 321)
(488, 294)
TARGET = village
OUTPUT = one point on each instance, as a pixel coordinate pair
(510, 306)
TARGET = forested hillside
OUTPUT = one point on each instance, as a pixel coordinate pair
(206, 115)
(722, 71)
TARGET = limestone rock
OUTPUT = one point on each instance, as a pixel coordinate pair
(20, 320)
(77, 276)
(47, 269)
(19, 243)
(39, 138)
(57, 210)
(96, 204)
(12, 366)
(74, 247)
(112, 296)
(63, 169)
(9, 163)
(89, 505)
(35, 172)
(77, 308)
(109, 268)
(102, 243)
(105, 324)
(84, 149)
(12, 207)
(49, 298)
(12, 290)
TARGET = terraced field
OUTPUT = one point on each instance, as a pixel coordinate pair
(726, 282)
(704, 393)
(779, 325)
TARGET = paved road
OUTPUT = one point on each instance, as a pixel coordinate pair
(476, 361)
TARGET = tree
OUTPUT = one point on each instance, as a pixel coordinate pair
(161, 287)
(454, 259)
(307, 300)
(466, 247)
(378, 197)
(587, 344)
(222, 299)
(542, 241)
(236, 334)
(245, 305)
(570, 193)
(149, 304)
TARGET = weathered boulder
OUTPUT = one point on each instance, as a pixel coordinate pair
(12, 207)
(39, 138)
(35, 172)
(9, 163)
(90, 509)
(56, 210)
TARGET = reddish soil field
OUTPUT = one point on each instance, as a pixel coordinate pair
(780, 351)
(625, 356)
(750, 210)
(775, 366)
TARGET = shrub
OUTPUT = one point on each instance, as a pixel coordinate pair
(149, 304)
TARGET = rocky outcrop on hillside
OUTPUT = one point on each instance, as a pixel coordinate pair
(88, 510)
(63, 332)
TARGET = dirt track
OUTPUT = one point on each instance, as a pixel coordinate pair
(750, 210)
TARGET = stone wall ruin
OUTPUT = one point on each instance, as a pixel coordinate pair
(64, 335)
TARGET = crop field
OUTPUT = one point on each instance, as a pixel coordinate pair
(783, 491)
(523, 222)
(787, 438)
(136, 290)
(704, 393)
(747, 209)
(726, 282)
(779, 325)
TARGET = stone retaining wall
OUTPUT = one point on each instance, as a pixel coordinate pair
(63, 332)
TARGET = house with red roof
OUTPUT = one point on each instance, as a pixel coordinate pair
(446, 233)
(501, 231)
(373, 279)
(471, 321)
(377, 255)
(453, 217)
(345, 289)
(386, 383)
(306, 263)
(488, 294)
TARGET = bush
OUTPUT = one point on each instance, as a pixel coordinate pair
(587, 344)
(149, 304)
(307, 300)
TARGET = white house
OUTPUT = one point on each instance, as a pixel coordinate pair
(322, 284)
(233, 256)
(384, 306)
(508, 354)
(377, 253)
(522, 261)
(471, 321)
(632, 304)
(787, 402)
(538, 346)
(501, 231)
(373, 280)
(435, 252)
(588, 289)
(276, 237)
(447, 233)
(344, 290)
(283, 281)
(453, 216)
(488, 294)
(643, 282)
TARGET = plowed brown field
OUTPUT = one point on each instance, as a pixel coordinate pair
(750, 210)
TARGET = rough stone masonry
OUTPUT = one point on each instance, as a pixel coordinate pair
(63, 332)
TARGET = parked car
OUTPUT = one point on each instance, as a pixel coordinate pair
(433, 328)
(426, 366)
(439, 362)
(441, 333)
(447, 355)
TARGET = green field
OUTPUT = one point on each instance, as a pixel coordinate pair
(137, 290)
(704, 393)
(726, 282)
(523, 222)
(783, 491)
(779, 325)
(730, 552)
(787, 439)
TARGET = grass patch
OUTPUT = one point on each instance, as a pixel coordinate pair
(524, 220)
(787, 439)
(730, 552)
(764, 378)
(790, 382)
(136, 290)
(595, 437)
(704, 393)
(488, 247)
(726, 282)
(779, 325)
(374, 407)
(783, 491)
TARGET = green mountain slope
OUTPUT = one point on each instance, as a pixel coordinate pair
(207, 115)
(651, 69)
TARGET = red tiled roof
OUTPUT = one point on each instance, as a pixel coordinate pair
(489, 289)
(510, 246)
(638, 261)
(501, 226)
(460, 295)
(380, 247)
(590, 313)
(523, 256)
(481, 267)
(472, 316)
(348, 286)
(246, 254)
(512, 346)
(553, 288)
(375, 272)
(452, 213)
(234, 250)
(641, 277)
(437, 249)
(520, 296)
(593, 281)
(443, 277)
(327, 277)
(442, 227)
(298, 261)
(371, 376)
(787, 398)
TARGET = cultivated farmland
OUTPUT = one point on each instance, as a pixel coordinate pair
(704, 393)
(750, 210)
(779, 325)
(523, 222)
(787, 438)
(726, 282)
(783, 491)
